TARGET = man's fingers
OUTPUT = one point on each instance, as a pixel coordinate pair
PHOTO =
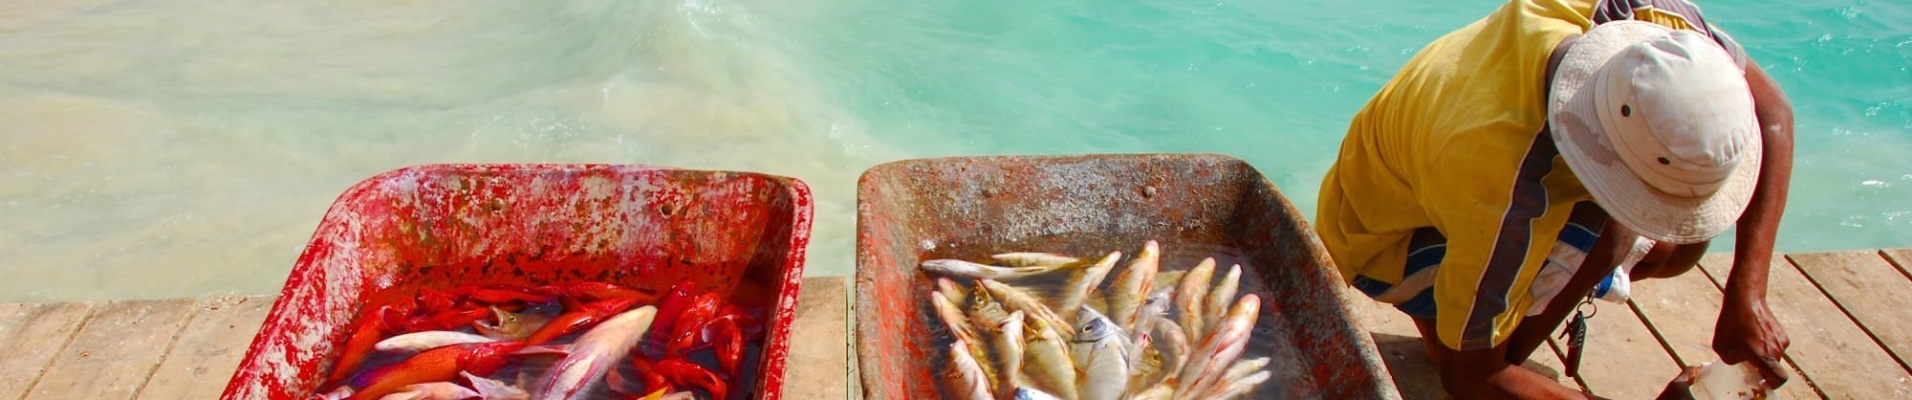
(1773, 370)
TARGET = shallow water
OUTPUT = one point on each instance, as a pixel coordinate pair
(160, 149)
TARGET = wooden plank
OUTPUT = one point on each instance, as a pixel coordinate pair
(1901, 258)
(1829, 350)
(209, 348)
(30, 336)
(1622, 359)
(113, 354)
(818, 364)
(1405, 353)
(1870, 290)
(1682, 312)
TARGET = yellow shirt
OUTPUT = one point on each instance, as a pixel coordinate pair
(1455, 142)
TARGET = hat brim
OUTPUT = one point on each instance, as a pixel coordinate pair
(1573, 119)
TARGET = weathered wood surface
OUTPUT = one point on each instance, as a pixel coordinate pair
(1833, 355)
(1869, 289)
(115, 351)
(1682, 312)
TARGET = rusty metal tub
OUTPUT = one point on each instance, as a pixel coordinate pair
(1196, 205)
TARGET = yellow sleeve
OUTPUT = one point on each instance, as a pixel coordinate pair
(1489, 198)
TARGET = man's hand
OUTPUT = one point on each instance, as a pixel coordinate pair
(1747, 332)
(1681, 388)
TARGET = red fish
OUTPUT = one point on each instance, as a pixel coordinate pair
(435, 365)
(579, 317)
(691, 324)
(686, 373)
(447, 320)
(360, 344)
(671, 306)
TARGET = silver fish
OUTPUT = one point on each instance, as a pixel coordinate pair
(431, 391)
(1032, 259)
(1191, 297)
(973, 270)
(594, 352)
(489, 389)
(1131, 287)
(1019, 300)
(1219, 349)
(1221, 295)
(1046, 362)
(1100, 351)
(420, 341)
(965, 377)
(1082, 282)
(1008, 344)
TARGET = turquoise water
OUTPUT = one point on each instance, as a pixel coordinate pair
(175, 149)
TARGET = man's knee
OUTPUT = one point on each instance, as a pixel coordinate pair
(1667, 261)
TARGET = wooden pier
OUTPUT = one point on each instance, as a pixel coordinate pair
(1848, 315)
(188, 348)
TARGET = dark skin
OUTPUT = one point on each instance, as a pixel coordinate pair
(1746, 331)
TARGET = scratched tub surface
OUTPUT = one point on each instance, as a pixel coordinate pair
(1196, 205)
(742, 234)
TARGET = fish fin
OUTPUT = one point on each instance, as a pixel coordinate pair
(618, 383)
(555, 349)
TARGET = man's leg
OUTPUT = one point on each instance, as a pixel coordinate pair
(1667, 261)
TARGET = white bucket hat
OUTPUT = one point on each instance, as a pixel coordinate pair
(1658, 125)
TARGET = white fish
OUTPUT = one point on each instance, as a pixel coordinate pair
(427, 340)
(1244, 368)
(973, 270)
(1238, 387)
(1082, 282)
(1099, 350)
(1219, 349)
(489, 389)
(965, 376)
(1190, 298)
(431, 391)
(1132, 286)
(1008, 345)
(1221, 296)
(1032, 259)
(1023, 393)
(955, 292)
(341, 393)
(594, 352)
(1155, 307)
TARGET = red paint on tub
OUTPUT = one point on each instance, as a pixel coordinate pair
(741, 234)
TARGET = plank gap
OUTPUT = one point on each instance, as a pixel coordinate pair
(1870, 331)
(192, 313)
(91, 309)
(1657, 334)
(1898, 258)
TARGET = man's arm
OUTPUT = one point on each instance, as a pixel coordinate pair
(1746, 329)
(1486, 374)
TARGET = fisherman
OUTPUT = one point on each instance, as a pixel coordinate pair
(1549, 134)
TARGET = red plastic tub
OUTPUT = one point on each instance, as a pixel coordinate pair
(444, 225)
(1196, 205)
